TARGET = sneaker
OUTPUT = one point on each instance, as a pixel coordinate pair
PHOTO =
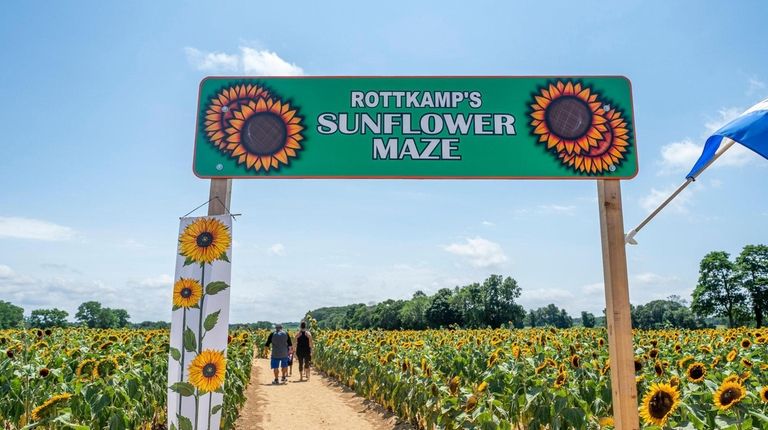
(275, 382)
(285, 379)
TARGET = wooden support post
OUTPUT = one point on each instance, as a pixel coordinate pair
(221, 195)
(617, 314)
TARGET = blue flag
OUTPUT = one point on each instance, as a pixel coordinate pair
(749, 129)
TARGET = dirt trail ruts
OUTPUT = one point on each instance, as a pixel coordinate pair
(321, 403)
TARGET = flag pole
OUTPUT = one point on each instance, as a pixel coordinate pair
(630, 237)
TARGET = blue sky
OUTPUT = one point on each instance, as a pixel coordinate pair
(98, 111)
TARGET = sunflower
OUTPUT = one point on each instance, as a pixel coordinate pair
(264, 134)
(606, 422)
(482, 387)
(560, 380)
(575, 361)
(453, 385)
(696, 372)
(205, 240)
(747, 362)
(223, 105)
(729, 393)
(659, 403)
(609, 151)
(658, 368)
(638, 365)
(44, 372)
(85, 368)
(732, 355)
(186, 293)
(41, 411)
(746, 343)
(471, 403)
(567, 117)
(207, 370)
(764, 394)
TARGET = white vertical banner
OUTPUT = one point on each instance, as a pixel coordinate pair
(200, 323)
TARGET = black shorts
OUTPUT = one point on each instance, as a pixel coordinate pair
(304, 361)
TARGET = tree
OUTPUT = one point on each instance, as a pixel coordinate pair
(719, 291)
(551, 315)
(499, 296)
(468, 302)
(386, 314)
(88, 313)
(94, 316)
(413, 311)
(440, 312)
(121, 316)
(587, 319)
(532, 318)
(11, 316)
(44, 318)
(658, 314)
(752, 267)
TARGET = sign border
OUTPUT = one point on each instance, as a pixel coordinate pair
(440, 178)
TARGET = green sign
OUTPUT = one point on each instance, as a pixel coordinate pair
(416, 127)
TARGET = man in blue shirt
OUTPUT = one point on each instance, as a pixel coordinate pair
(281, 345)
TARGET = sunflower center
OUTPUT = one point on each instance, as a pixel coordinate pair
(568, 117)
(697, 372)
(204, 239)
(660, 405)
(728, 396)
(209, 370)
(264, 133)
(186, 293)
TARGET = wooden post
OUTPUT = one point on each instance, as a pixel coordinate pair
(221, 195)
(617, 315)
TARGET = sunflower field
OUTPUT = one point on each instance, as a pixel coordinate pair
(100, 379)
(552, 379)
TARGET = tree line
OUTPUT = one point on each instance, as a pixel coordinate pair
(732, 292)
(89, 314)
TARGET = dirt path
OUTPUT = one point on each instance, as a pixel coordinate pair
(320, 403)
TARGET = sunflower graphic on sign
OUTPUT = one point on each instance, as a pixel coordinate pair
(253, 126)
(579, 128)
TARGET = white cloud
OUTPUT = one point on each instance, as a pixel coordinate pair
(649, 278)
(6, 272)
(265, 63)
(724, 116)
(480, 253)
(277, 249)
(212, 61)
(160, 281)
(488, 224)
(756, 86)
(250, 61)
(680, 204)
(561, 209)
(679, 156)
(27, 228)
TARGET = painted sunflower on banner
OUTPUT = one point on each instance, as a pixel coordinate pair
(222, 107)
(207, 370)
(609, 152)
(568, 117)
(186, 293)
(265, 134)
(205, 240)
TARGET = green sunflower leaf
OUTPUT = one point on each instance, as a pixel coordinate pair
(215, 410)
(190, 342)
(211, 320)
(184, 423)
(175, 308)
(223, 256)
(173, 426)
(216, 287)
(175, 353)
(185, 389)
(188, 261)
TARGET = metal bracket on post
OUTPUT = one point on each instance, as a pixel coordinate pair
(617, 315)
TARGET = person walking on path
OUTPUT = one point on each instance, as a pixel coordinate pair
(304, 350)
(281, 344)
